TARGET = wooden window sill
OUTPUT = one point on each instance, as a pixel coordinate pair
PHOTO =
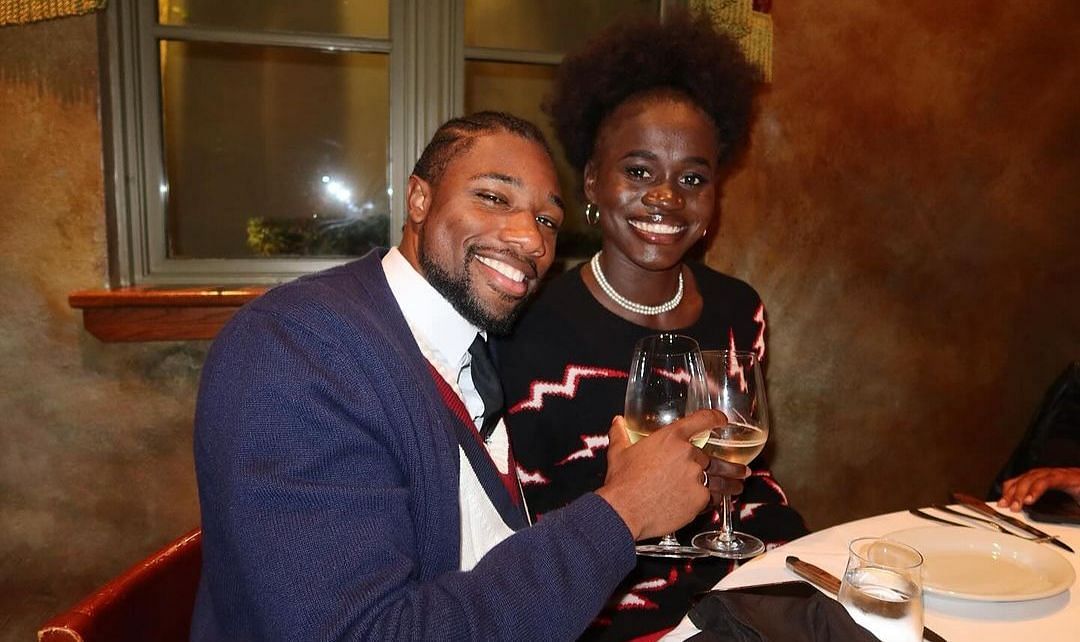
(159, 314)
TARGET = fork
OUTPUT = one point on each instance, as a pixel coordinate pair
(952, 511)
(934, 518)
(918, 513)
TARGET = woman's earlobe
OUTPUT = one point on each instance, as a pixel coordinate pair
(589, 184)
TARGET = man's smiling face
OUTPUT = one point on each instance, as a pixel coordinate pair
(484, 232)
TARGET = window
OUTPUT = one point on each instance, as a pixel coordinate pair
(250, 141)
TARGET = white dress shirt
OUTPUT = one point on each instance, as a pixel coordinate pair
(444, 337)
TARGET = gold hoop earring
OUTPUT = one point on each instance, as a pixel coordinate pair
(592, 214)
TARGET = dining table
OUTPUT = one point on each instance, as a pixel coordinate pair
(1000, 618)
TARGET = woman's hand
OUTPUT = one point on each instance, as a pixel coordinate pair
(725, 478)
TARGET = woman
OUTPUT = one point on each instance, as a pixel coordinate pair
(653, 115)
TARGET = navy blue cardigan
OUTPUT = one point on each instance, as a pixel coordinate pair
(328, 464)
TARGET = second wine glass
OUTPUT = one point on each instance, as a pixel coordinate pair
(666, 383)
(736, 388)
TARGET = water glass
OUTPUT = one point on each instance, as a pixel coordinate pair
(882, 589)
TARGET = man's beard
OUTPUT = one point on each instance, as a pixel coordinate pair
(458, 291)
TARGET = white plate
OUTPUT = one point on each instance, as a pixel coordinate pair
(977, 564)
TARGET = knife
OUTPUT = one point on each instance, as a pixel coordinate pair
(977, 505)
(816, 575)
(821, 578)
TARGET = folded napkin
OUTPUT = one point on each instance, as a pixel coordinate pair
(784, 612)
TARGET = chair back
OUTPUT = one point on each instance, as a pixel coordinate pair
(152, 600)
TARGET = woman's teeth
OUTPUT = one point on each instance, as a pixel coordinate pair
(508, 271)
(657, 228)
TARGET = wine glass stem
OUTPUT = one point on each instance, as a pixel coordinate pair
(668, 540)
(726, 529)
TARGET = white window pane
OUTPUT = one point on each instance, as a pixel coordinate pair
(544, 25)
(363, 18)
(274, 151)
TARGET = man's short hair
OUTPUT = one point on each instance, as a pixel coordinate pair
(456, 136)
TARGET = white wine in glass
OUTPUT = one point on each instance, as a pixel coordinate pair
(666, 383)
(735, 442)
(737, 388)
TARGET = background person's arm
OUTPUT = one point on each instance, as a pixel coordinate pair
(1027, 488)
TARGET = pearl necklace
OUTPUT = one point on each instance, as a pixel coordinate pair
(627, 304)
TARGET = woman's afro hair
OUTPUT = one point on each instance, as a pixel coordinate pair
(685, 53)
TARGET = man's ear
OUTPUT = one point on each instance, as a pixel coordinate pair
(417, 200)
(590, 182)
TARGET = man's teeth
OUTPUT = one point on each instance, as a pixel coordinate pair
(657, 228)
(508, 271)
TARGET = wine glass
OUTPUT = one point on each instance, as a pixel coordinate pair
(666, 383)
(736, 388)
(882, 589)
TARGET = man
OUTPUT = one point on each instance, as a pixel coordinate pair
(350, 487)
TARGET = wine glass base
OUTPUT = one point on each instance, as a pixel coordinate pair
(741, 546)
(674, 551)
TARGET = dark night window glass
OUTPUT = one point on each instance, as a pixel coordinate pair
(273, 151)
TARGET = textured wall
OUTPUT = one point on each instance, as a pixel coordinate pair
(95, 440)
(910, 211)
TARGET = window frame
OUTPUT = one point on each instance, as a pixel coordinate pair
(427, 87)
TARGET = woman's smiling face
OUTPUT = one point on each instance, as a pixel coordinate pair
(653, 177)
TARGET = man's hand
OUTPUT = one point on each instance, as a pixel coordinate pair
(1025, 489)
(656, 484)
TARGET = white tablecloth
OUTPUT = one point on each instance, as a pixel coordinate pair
(1051, 619)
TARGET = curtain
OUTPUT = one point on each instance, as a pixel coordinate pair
(749, 22)
(17, 12)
